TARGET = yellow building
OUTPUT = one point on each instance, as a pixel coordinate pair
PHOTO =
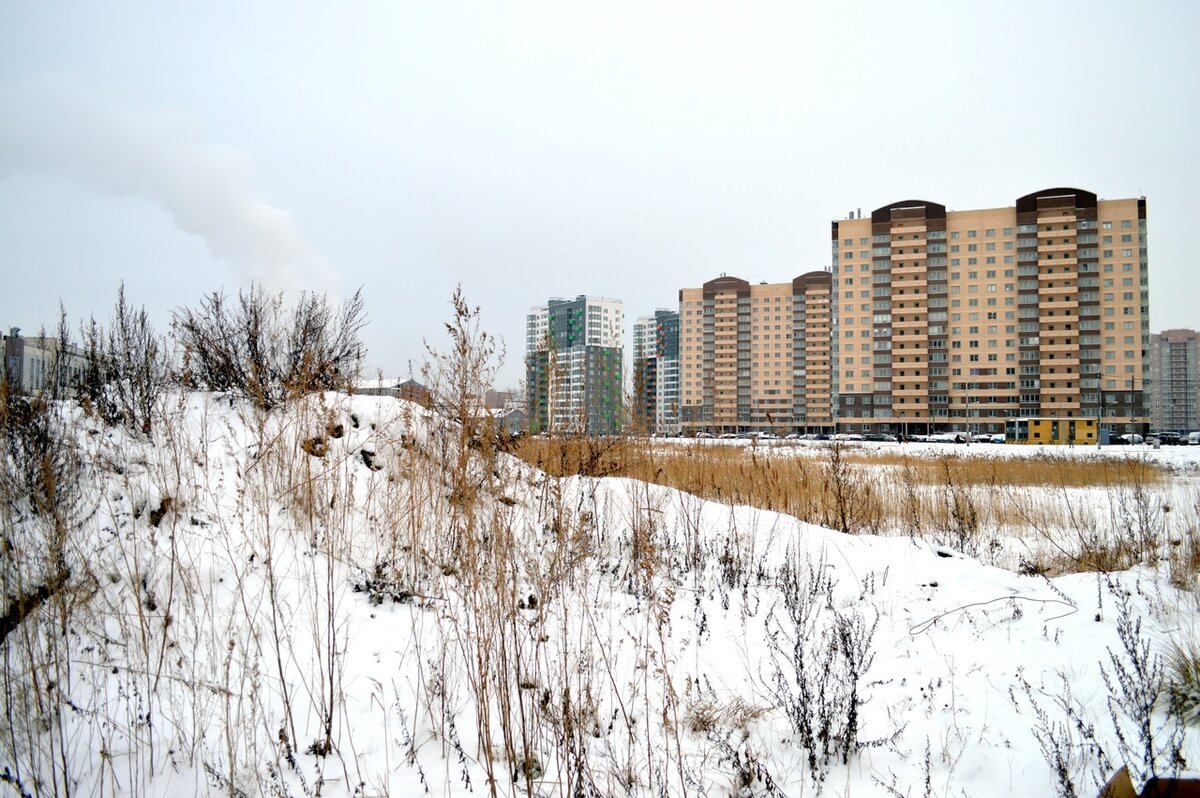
(1053, 431)
(959, 320)
(756, 357)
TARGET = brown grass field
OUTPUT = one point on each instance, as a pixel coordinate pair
(1068, 513)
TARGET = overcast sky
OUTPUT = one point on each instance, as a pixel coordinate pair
(528, 151)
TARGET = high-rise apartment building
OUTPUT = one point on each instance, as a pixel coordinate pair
(573, 365)
(1175, 380)
(656, 372)
(962, 319)
(756, 357)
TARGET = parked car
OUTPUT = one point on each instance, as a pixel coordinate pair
(1133, 438)
(704, 435)
(1193, 439)
(879, 437)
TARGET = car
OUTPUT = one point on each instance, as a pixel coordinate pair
(792, 436)
(981, 437)
(704, 435)
(1133, 438)
(879, 437)
(999, 438)
(1193, 439)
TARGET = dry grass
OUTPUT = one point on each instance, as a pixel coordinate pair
(962, 501)
(764, 478)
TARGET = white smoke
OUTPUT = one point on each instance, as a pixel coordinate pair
(85, 133)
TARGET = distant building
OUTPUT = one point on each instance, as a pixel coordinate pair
(756, 357)
(33, 363)
(409, 389)
(574, 366)
(656, 372)
(414, 391)
(1175, 376)
(956, 320)
(502, 400)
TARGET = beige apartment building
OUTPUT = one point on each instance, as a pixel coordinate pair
(960, 320)
(756, 357)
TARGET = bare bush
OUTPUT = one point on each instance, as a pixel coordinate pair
(820, 654)
(126, 368)
(1136, 678)
(256, 349)
(42, 503)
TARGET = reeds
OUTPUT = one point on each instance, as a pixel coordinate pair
(989, 507)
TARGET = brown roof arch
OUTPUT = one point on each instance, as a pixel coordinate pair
(908, 209)
(1056, 197)
(809, 280)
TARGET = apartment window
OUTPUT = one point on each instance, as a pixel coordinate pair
(1107, 225)
(954, 234)
(972, 233)
(1126, 224)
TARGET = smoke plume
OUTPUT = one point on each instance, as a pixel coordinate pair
(85, 133)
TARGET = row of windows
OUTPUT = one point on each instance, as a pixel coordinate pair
(990, 232)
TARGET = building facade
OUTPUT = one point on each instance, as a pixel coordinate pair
(32, 364)
(958, 320)
(574, 366)
(756, 357)
(1175, 380)
(656, 372)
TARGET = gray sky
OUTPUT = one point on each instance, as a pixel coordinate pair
(528, 151)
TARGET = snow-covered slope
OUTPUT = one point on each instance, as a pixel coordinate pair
(348, 597)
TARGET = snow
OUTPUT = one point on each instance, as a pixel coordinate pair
(619, 637)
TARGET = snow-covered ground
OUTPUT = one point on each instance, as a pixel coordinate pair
(342, 598)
